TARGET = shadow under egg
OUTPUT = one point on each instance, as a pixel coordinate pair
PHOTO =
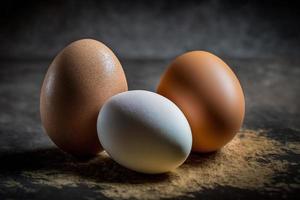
(101, 169)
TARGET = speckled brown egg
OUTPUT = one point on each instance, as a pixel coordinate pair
(210, 96)
(78, 82)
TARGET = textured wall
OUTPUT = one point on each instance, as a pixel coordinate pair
(151, 29)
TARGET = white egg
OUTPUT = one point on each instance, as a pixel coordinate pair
(144, 131)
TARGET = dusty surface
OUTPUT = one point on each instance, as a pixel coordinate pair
(248, 162)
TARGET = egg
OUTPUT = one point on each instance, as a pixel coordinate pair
(210, 96)
(144, 132)
(78, 82)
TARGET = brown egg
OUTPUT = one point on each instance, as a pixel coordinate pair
(78, 82)
(210, 96)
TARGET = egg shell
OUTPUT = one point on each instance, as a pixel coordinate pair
(210, 96)
(78, 82)
(144, 131)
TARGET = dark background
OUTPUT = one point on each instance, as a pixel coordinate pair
(259, 40)
(152, 29)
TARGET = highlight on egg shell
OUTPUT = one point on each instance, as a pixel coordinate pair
(144, 132)
(78, 82)
(210, 96)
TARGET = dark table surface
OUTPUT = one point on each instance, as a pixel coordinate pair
(272, 94)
